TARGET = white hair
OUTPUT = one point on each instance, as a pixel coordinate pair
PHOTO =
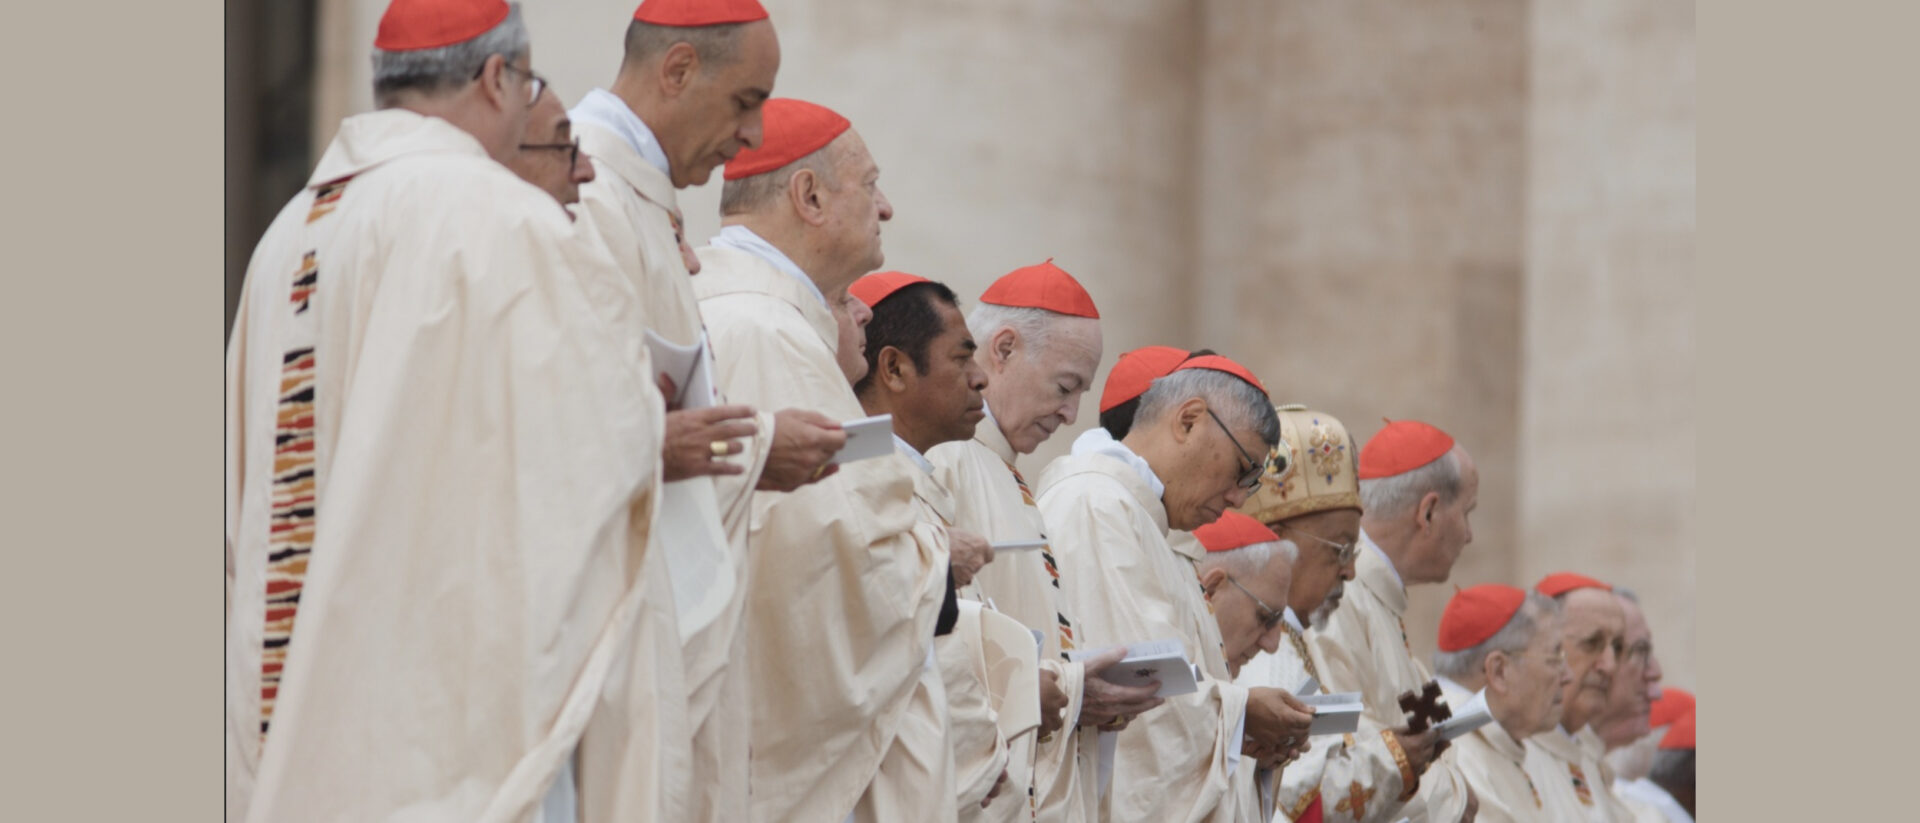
(1391, 497)
(1512, 639)
(1248, 561)
(1237, 402)
(1035, 326)
(448, 67)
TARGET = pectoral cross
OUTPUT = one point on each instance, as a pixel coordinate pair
(1425, 708)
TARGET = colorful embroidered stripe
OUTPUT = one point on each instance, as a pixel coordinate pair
(290, 529)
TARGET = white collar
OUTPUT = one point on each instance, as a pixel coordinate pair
(1100, 441)
(601, 108)
(914, 454)
(1383, 558)
(743, 239)
(1450, 683)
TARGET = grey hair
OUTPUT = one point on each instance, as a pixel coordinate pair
(1237, 402)
(1391, 497)
(1628, 594)
(1511, 639)
(749, 194)
(1035, 326)
(715, 46)
(432, 71)
(1249, 561)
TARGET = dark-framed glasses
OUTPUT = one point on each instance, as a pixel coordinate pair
(572, 149)
(1268, 617)
(1251, 477)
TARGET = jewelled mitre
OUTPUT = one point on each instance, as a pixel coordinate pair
(1322, 471)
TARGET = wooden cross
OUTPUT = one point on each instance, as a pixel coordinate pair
(1422, 710)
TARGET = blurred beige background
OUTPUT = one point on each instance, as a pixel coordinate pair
(1478, 213)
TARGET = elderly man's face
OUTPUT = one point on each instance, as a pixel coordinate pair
(1321, 568)
(1246, 627)
(1451, 528)
(1206, 480)
(1635, 683)
(854, 205)
(851, 315)
(546, 157)
(1591, 627)
(1537, 681)
(720, 110)
(1036, 391)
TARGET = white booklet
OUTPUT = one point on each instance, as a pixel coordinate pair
(1334, 713)
(1019, 546)
(690, 368)
(1309, 686)
(1467, 718)
(867, 438)
(1162, 660)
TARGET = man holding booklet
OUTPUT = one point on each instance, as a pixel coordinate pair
(1202, 438)
(1039, 342)
(920, 376)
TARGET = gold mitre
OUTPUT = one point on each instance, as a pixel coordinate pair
(1322, 474)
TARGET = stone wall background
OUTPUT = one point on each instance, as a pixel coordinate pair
(1478, 213)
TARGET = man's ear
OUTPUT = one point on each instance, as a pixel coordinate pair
(1002, 345)
(1211, 580)
(1186, 416)
(493, 81)
(1429, 503)
(891, 368)
(677, 69)
(807, 192)
(1498, 669)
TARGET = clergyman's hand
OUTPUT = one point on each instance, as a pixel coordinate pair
(803, 442)
(1110, 707)
(696, 440)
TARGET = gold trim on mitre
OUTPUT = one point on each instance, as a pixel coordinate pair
(1323, 472)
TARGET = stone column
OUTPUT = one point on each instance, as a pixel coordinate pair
(1607, 415)
(1363, 174)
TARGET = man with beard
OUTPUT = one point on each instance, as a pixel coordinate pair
(1505, 643)
(1564, 761)
(1315, 504)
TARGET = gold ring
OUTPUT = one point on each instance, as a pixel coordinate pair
(719, 447)
(819, 471)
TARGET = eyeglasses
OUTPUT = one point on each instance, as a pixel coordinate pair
(1268, 617)
(538, 84)
(1344, 552)
(572, 149)
(1251, 477)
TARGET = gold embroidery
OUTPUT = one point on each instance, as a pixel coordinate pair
(1355, 803)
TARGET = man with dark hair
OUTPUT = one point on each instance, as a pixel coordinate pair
(921, 370)
(441, 475)
(687, 97)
